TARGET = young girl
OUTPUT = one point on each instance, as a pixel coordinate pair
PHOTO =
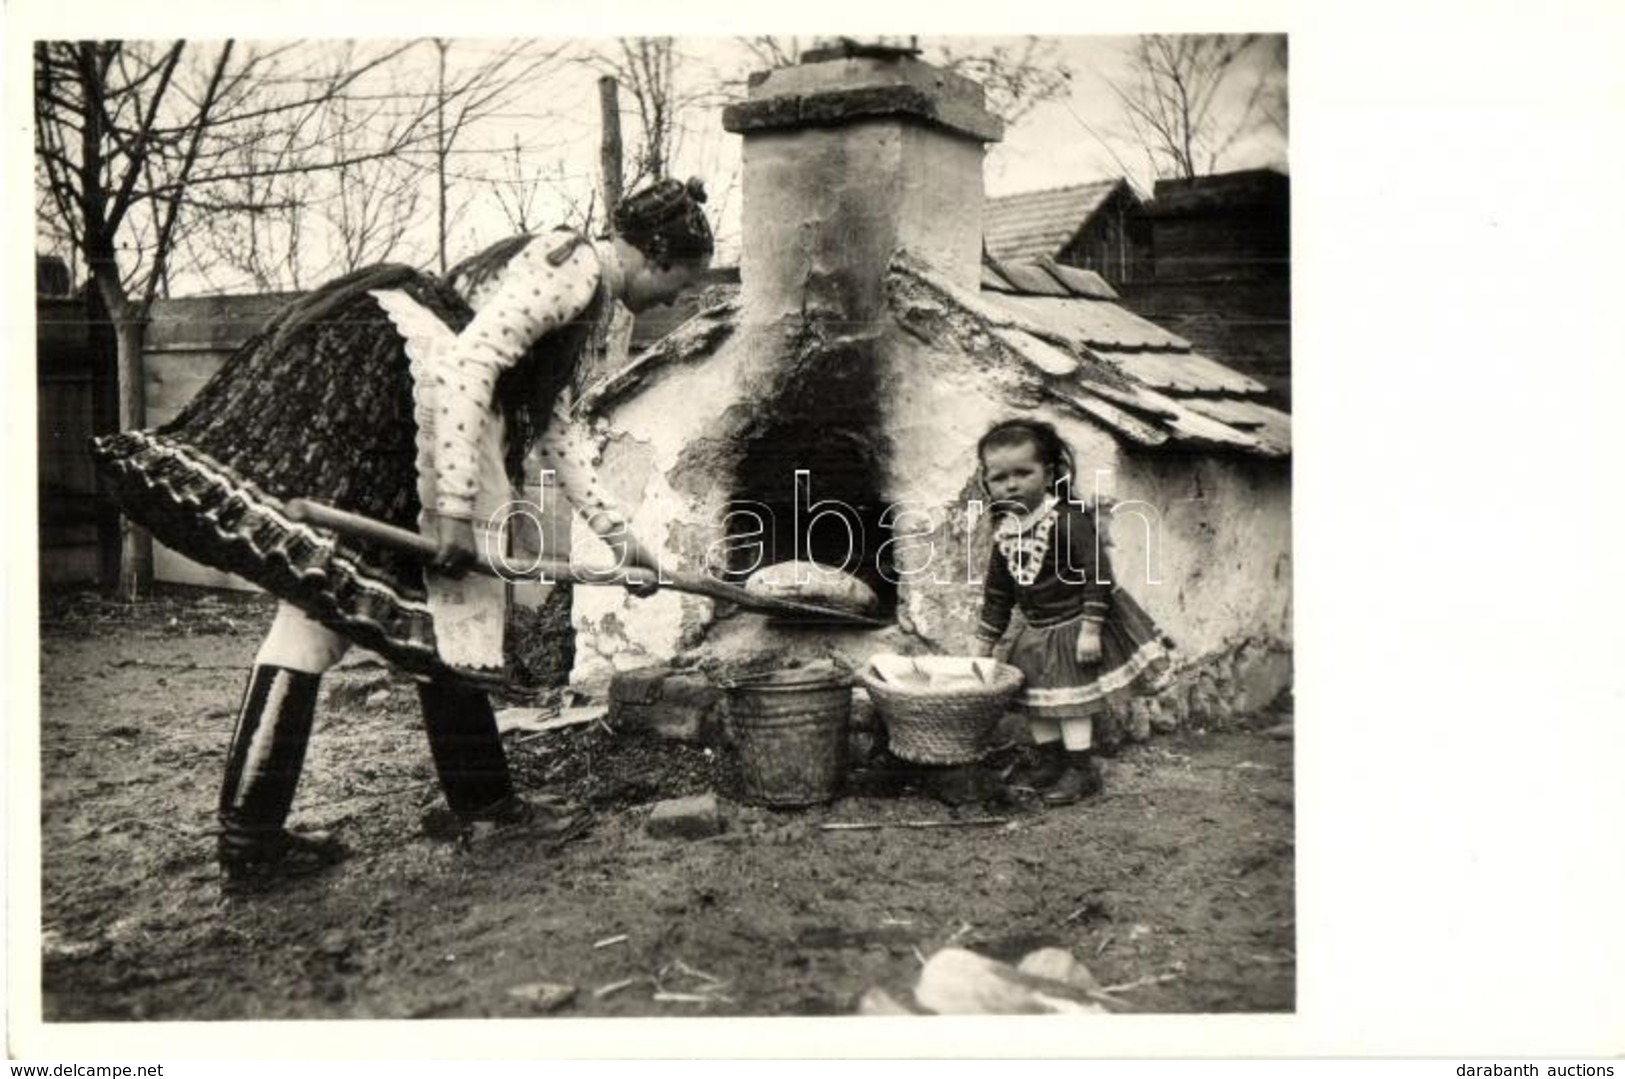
(1082, 638)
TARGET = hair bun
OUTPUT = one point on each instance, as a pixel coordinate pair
(664, 219)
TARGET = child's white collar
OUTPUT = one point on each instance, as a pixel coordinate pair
(1011, 525)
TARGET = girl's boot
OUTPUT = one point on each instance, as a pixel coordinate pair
(267, 754)
(1080, 779)
(473, 768)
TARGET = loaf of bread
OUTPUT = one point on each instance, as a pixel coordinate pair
(814, 583)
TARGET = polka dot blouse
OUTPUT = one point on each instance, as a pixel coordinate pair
(529, 298)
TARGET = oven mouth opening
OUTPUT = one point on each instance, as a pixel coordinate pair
(845, 536)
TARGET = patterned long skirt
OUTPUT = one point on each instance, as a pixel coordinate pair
(317, 405)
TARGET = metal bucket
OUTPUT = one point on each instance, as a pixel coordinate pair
(789, 730)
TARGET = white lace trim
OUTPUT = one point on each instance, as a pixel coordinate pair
(1025, 540)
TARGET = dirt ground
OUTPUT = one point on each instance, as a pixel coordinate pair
(1181, 871)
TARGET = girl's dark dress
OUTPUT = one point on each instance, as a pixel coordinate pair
(1050, 566)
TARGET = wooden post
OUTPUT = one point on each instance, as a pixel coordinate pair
(610, 146)
(103, 345)
(442, 152)
(135, 543)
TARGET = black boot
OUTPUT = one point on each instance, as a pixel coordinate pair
(262, 771)
(1044, 771)
(1081, 779)
(473, 768)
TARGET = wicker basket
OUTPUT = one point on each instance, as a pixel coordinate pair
(938, 709)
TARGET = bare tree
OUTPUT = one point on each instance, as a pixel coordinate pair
(439, 102)
(1272, 103)
(585, 215)
(668, 92)
(371, 202)
(1189, 98)
(254, 224)
(521, 187)
(516, 191)
(135, 140)
(1017, 76)
(646, 68)
(287, 228)
(467, 94)
(767, 52)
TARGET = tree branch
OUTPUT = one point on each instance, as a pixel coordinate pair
(161, 251)
(137, 153)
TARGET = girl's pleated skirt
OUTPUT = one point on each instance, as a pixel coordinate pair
(1134, 659)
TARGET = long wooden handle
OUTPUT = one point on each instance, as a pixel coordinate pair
(401, 539)
(409, 542)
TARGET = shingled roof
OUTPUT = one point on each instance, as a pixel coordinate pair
(1041, 223)
(1146, 385)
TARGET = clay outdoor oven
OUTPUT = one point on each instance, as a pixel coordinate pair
(830, 409)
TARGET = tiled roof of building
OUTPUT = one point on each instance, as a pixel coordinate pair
(1146, 385)
(1037, 223)
(1043, 276)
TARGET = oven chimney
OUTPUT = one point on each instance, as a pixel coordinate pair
(853, 153)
